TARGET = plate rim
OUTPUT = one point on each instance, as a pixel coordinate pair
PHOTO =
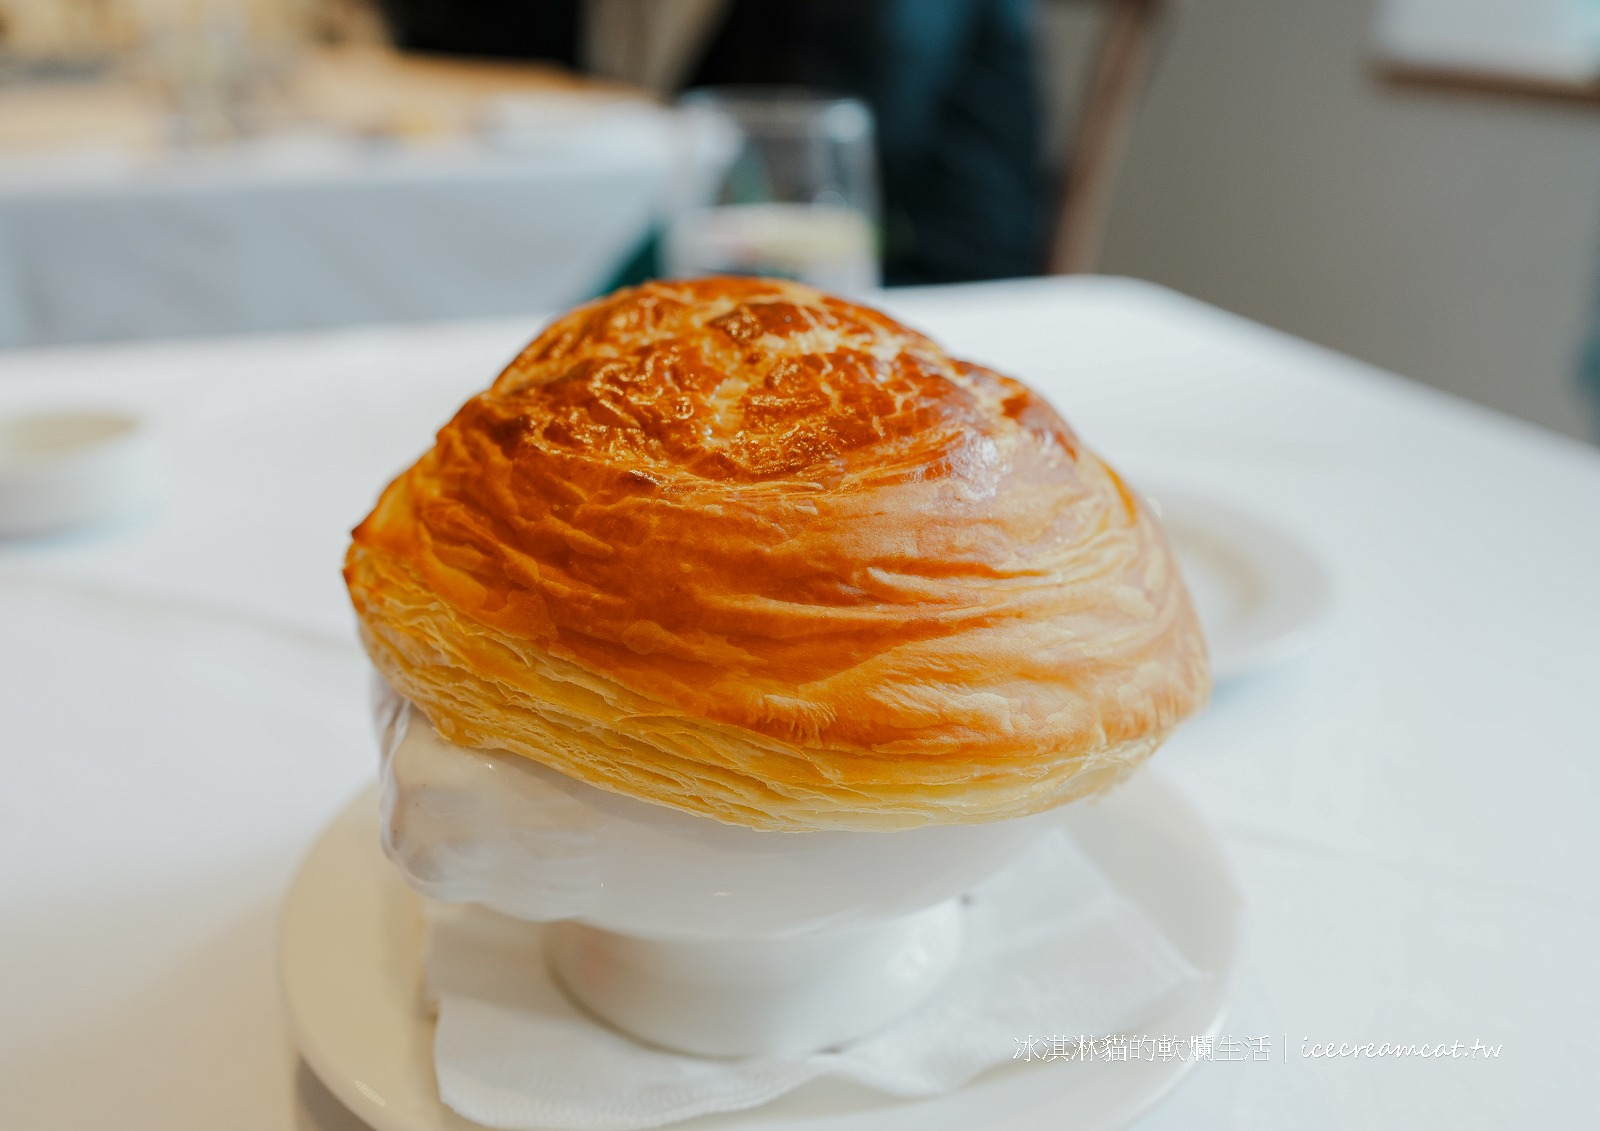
(1288, 566)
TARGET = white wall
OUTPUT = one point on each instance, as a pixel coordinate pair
(1451, 238)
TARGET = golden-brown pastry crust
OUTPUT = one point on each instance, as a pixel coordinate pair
(750, 551)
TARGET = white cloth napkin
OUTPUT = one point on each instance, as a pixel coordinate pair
(1052, 948)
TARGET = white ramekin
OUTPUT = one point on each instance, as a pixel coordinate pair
(684, 931)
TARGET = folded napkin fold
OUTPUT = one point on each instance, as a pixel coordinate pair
(1052, 948)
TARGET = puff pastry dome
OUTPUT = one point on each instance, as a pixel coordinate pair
(749, 551)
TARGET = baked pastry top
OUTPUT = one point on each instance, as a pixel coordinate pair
(746, 550)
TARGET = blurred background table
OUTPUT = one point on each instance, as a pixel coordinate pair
(371, 187)
(1410, 807)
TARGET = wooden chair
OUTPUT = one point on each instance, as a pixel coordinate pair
(1122, 63)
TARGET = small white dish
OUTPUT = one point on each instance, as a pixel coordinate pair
(60, 470)
(1261, 596)
(351, 961)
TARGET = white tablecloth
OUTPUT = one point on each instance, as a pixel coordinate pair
(309, 233)
(1411, 807)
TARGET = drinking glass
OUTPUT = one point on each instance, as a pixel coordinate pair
(798, 199)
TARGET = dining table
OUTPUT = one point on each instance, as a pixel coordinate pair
(376, 186)
(1408, 805)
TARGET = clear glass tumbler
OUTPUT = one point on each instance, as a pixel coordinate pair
(797, 200)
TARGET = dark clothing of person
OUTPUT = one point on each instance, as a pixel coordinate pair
(504, 29)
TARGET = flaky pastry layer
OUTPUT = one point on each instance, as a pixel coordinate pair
(752, 552)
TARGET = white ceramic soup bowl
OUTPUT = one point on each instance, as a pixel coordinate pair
(690, 933)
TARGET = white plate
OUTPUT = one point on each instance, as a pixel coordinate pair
(351, 955)
(1261, 596)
